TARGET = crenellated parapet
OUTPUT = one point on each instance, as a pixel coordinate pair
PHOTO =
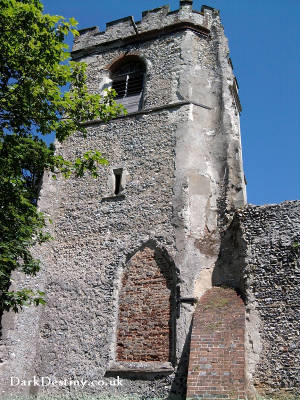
(157, 21)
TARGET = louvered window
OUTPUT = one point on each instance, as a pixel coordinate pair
(128, 82)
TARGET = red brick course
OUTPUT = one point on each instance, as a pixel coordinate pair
(217, 360)
(144, 328)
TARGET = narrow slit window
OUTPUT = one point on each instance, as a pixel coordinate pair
(118, 179)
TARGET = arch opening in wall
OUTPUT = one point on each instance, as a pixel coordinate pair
(147, 308)
(127, 77)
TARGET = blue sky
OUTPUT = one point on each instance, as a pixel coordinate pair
(264, 41)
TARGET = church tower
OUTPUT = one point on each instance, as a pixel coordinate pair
(134, 249)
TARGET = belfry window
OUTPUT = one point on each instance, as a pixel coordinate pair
(128, 82)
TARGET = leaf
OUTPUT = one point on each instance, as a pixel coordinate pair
(73, 21)
(41, 92)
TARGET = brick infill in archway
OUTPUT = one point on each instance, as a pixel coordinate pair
(217, 355)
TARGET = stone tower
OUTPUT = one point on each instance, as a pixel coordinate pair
(134, 249)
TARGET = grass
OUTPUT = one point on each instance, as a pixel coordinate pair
(216, 303)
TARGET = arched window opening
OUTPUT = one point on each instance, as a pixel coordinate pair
(128, 82)
(147, 309)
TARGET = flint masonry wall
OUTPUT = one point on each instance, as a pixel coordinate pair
(182, 168)
(271, 276)
(259, 256)
(97, 235)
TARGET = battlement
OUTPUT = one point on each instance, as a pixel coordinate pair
(156, 20)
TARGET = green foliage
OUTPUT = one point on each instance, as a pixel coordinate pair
(219, 302)
(34, 101)
(213, 325)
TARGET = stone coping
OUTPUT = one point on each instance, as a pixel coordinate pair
(148, 111)
(99, 41)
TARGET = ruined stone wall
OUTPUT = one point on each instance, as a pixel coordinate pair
(271, 275)
(259, 256)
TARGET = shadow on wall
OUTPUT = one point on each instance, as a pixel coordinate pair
(228, 272)
(178, 388)
(229, 267)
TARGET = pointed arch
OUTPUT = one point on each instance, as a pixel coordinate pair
(147, 308)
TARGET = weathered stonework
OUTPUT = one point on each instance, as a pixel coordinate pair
(272, 290)
(182, 181)
(259, 256)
